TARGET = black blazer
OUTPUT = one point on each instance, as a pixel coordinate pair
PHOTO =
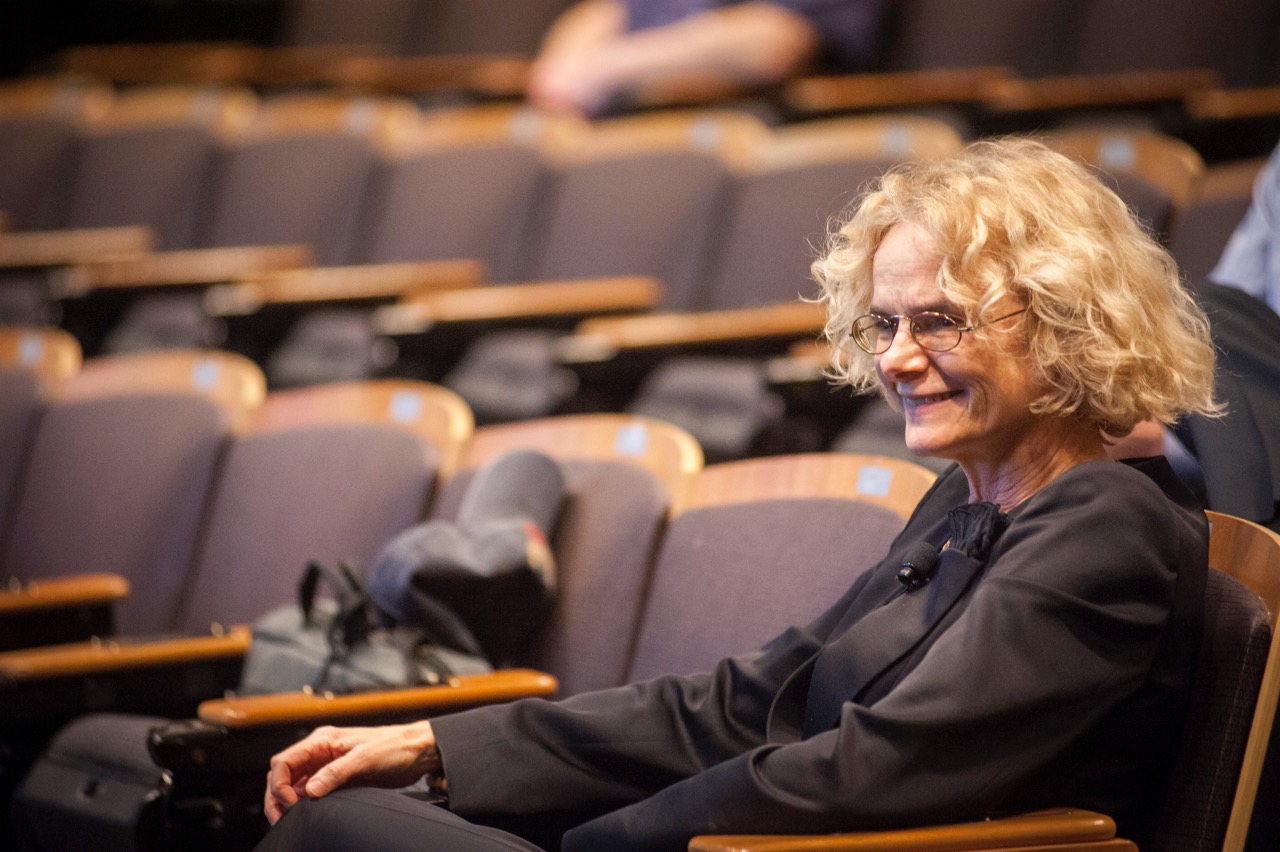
(1050, 671)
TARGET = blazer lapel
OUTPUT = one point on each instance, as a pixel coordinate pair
(881, 638)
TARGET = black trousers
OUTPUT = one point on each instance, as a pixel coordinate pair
(371, 820)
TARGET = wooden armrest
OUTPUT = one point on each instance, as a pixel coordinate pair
(293, 64)
(72, 245)
(849, 92)
(105, 656)
(1065, 829)
(496, 75)
(309, 707)
(187, 266)
(1228, 104)
(601, 338)
(343, 283)
(219, 62)
(81, 590)
(1045, 93)
(519, 301)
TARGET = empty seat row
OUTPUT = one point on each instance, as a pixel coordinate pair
(719, 210)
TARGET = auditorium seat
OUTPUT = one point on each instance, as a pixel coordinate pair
(1232, 40)
(142, 161)
(33, 362)
(327, 472)
(746, 544)
(1214, 783)
(1200, 233)
(38, 117)
(625, 475)
(1157, 175)
(119, 469)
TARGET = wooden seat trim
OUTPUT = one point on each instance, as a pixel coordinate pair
(59, 592)
(303, 707)
(103, 656)
(62, 247)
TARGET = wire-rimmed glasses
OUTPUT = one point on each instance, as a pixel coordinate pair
(932, 330)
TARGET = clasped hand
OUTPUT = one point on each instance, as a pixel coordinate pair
(331, 758)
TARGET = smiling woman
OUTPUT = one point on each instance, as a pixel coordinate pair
(1050, 315)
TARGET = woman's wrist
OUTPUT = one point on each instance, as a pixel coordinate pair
(422, 739)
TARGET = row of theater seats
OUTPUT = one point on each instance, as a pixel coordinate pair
(708, 213)
(649, 541)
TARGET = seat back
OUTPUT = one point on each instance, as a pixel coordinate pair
(33, 361)
(662, 174)
(1232, 39)
(119, 471)
(624, 475)
(1029, 36)
(38, 119)
(1156, 175)
(458, 185)
(231, 380)
(298, 173)
(143, 160)
(375, 24)
(767, 543)
(449, 27)
(1234, 691)
(49, 353)
(786, 190)
(327, 473)
(1200, 234)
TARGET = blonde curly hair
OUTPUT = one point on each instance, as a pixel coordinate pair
(1113, 335)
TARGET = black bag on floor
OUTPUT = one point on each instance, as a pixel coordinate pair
(95, 787)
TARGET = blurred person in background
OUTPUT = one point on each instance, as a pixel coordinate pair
(602, 55)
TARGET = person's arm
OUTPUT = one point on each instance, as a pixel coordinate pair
(575, 40)
(748, 43)
(517, 757)
(604, 749)
(330, 758)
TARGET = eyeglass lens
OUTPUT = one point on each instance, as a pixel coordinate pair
(937, 332)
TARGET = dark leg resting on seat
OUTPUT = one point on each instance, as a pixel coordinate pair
(361, 819)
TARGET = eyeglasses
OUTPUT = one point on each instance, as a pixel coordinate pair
(934, 331)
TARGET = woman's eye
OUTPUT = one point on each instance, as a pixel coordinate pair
(937, 322)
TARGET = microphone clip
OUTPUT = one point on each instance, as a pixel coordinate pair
(918, 566)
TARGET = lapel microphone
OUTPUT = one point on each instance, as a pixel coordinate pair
(918, 566)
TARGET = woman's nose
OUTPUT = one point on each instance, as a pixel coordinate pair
(904, 353)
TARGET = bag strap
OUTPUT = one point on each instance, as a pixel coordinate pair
(356, 611)
(346, 587)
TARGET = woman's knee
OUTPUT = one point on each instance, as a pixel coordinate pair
(361, 819)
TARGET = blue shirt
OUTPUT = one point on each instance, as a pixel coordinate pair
(846, 28)
(1251, 260)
